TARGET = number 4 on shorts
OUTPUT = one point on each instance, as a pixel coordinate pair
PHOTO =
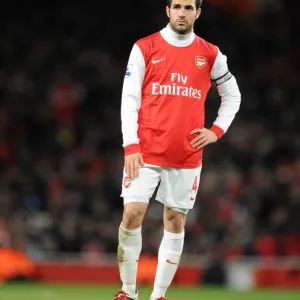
(194, 188)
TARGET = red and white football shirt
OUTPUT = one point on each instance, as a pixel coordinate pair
(167, 80)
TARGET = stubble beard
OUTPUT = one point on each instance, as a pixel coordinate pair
(182, 31)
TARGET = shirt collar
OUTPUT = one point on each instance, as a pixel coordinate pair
(175, 39)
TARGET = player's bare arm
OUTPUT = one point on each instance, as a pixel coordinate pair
(132, 164)
(204, 138)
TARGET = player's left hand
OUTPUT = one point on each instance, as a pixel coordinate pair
(204, 138)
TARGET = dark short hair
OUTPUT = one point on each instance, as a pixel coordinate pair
(198, 3)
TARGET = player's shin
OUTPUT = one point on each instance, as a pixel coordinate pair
(168, 260)
(129, 249)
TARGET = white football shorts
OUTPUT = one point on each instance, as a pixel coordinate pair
(177, 190)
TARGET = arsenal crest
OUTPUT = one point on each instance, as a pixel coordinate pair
(200, 62)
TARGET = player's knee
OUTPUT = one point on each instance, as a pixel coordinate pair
(174, 220)
(133, 215)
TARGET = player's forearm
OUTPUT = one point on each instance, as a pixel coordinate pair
(129, 118)
(131, 100)
(230, 104)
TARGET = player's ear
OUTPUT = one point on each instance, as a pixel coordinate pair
(168, 11)
(198, 13)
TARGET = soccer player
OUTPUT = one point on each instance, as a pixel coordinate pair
(168, 76)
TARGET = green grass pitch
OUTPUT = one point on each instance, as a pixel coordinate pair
(81, 292)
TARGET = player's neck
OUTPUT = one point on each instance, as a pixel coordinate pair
(179, 40)
(179, 35)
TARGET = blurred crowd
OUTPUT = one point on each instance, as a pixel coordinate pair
(61, 156)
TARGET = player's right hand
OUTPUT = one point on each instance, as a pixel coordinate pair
(132, 164)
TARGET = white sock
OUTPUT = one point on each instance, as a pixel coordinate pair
(129, 249)
(168, 260)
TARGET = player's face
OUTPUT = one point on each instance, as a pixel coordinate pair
(183, 14)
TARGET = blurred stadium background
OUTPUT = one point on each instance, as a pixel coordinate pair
(61, 72)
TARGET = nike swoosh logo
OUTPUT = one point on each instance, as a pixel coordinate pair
(192, 199)
(157, 61)
(170, 262)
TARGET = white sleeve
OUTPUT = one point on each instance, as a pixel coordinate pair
(131, 96)
(228, 91)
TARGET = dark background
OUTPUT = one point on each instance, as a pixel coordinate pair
(61, 158)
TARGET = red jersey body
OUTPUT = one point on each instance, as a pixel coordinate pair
(174, 89)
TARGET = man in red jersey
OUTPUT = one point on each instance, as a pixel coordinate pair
(168, 76)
